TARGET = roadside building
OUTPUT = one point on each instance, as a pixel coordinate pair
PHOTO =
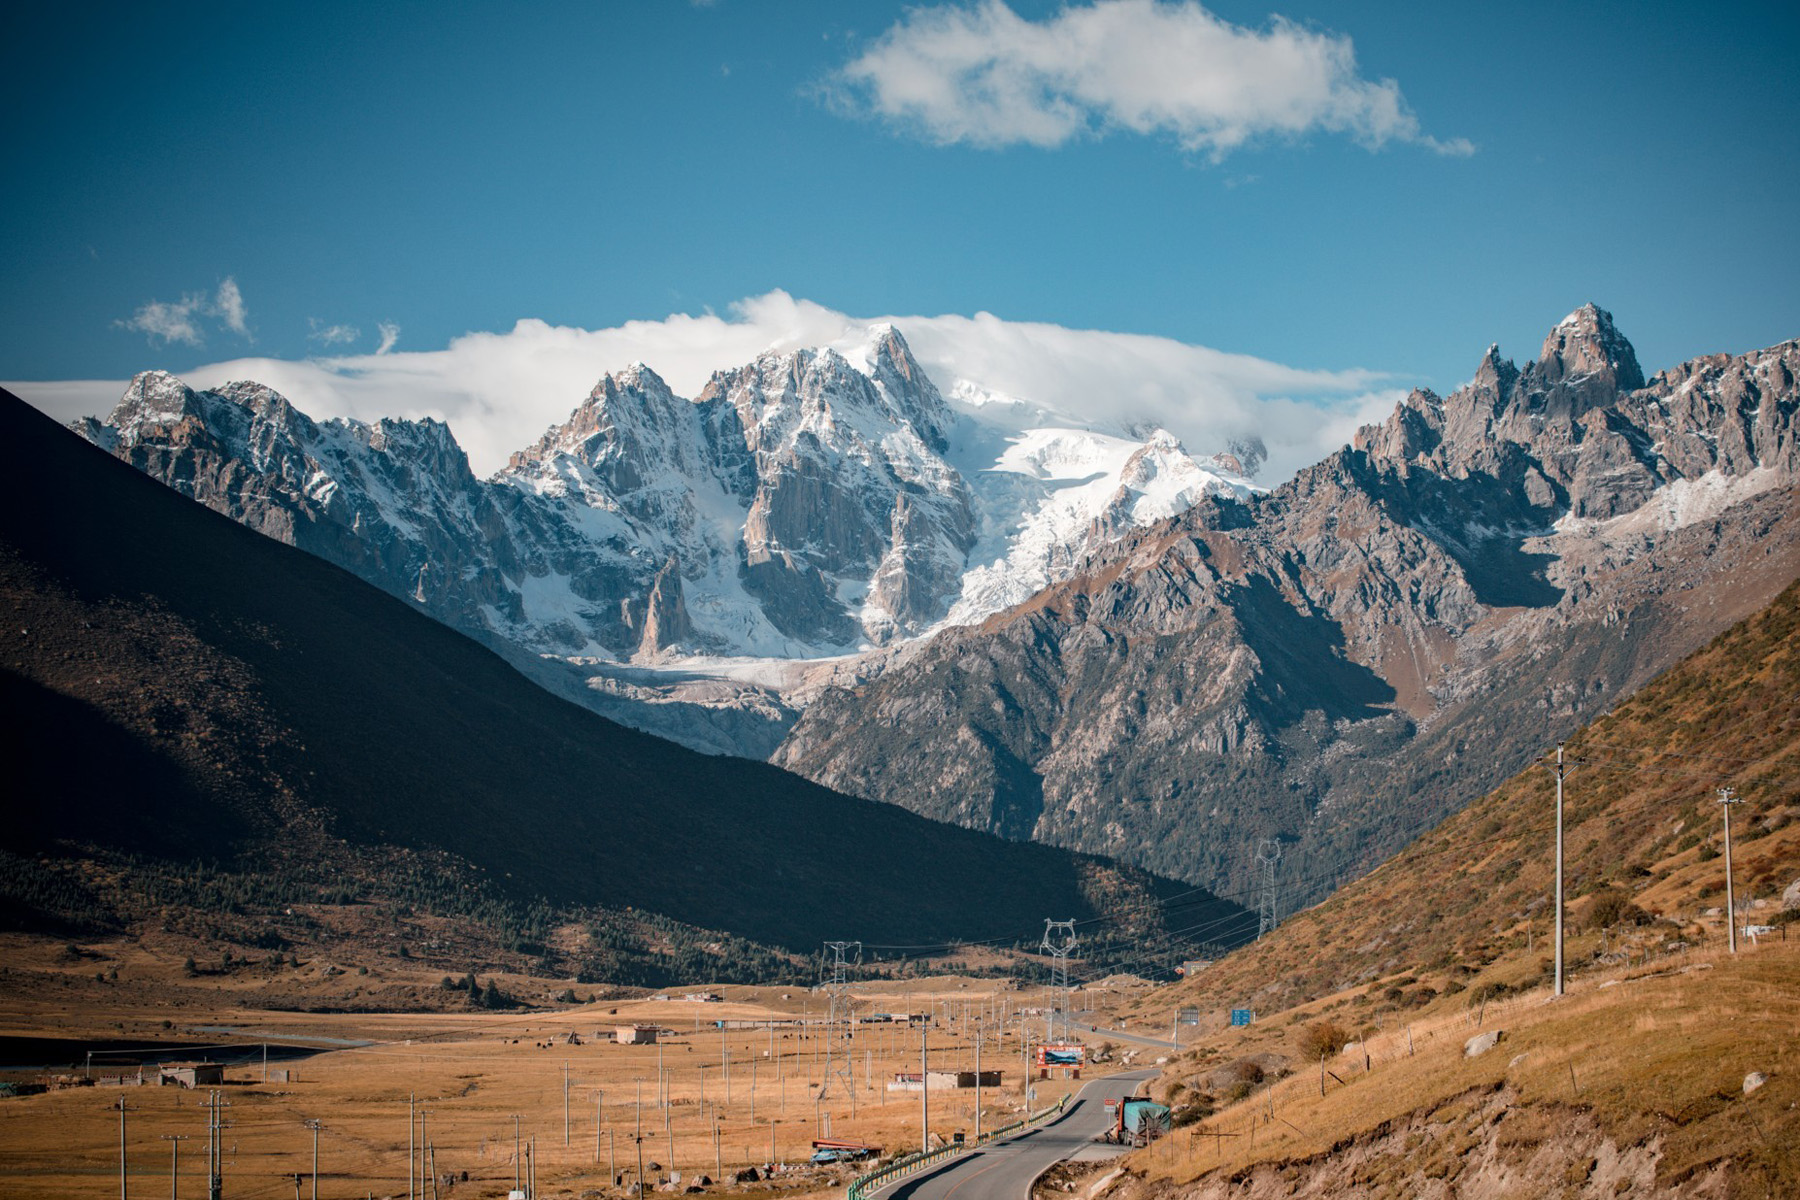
(192, 1075)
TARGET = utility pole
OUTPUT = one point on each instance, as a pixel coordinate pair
(1727, 798)
(1059, 941)
(517, 1162)
(924, 1090)
(314, 1126)
(565, 1102)
(1268, 854)
(122, 1184)
(978, 1079)
(599, 1120)
(640, 1177)
(174, 1140)
(215, 1149)
(1562, 770)
(412, 1148)
(1024, 1060)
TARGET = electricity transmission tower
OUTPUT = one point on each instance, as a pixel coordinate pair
(1268, 854)
(837, 1049)
(1058, 943)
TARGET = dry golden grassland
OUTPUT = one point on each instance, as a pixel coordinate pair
(471, 1073)
(1654, 1055)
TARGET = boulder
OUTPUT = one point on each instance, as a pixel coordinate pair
(1754, 1080)
(1481, 1043)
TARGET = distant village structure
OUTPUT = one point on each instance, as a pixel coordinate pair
(192, 1075)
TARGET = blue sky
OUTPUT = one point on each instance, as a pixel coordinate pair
(449, 168)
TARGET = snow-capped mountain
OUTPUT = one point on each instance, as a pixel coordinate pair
(807, 505)
(1053, 495)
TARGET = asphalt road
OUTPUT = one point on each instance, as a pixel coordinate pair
(1004, 1171)
(1125, 1036)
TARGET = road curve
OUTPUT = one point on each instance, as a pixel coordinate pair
(1004, 1170)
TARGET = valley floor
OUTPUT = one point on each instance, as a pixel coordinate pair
(483, 1082)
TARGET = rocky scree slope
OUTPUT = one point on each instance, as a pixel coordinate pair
(184, 691)
(1345, 660)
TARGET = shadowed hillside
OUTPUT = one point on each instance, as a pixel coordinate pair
(181, 690)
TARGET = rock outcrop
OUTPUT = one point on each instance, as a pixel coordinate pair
(1345, 660)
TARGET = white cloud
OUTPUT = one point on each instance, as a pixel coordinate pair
(228, 307)
(984, 75)
(499, 391)
(390, 333)
(169, 322)
(332, 335)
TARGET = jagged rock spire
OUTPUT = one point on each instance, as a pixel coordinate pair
(1586, 342)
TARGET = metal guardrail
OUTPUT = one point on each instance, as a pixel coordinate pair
(863, 1185)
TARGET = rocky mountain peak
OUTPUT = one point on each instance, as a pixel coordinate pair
(621, 400)
(893, 367)
(154, 397)
(426, 443)
(1586, 343)
(1495, 373)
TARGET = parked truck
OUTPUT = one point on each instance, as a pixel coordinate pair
(1136, 1122)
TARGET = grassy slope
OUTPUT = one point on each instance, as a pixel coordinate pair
(187, 690)
(1453, 935)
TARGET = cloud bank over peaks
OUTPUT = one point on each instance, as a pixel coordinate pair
(500, 391)
(981, 74)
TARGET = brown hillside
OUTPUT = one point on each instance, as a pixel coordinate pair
(1467, 905)
(1632, 1084)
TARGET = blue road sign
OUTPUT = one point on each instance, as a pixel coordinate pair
(1241, 1016)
